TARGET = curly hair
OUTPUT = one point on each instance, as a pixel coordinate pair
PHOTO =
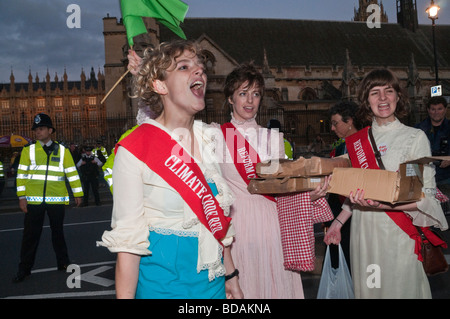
(245, 72)
(155, 64)
(347, 110)
(380, 77)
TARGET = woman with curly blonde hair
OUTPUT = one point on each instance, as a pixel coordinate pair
(170, 224)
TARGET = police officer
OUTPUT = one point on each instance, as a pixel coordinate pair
(100, 152)
(88, 166)
(41, 188)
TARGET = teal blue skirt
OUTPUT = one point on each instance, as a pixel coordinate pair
(170, 272)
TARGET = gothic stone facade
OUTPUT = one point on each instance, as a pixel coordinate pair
(308, 65)
(74, 106)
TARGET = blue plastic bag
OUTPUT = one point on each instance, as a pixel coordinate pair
(335, 283)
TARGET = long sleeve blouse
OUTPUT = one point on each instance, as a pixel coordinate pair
(144, 202)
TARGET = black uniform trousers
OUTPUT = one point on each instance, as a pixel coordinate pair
(90, 181)
(33, 222)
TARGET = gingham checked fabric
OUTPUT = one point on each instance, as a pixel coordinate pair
(441, 196)
(297, 216)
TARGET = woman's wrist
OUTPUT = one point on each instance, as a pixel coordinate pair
(339, 222)
(235, 273)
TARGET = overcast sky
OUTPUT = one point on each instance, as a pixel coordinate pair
(34, 34)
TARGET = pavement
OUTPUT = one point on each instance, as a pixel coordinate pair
(440, 284)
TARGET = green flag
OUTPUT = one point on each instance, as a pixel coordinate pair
(169, 12)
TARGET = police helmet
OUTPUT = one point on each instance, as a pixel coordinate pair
(42, 120)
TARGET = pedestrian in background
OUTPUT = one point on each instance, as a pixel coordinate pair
(2, 177)
(74, 150)
(343, 123)
(437, 128)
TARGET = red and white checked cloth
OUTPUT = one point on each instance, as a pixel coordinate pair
(297, 216)
(441, 196)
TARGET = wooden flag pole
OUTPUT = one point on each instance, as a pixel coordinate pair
(112, 89)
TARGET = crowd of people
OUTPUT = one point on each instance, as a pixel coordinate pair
(183, 222)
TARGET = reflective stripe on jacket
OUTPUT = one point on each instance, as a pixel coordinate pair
(43, 178)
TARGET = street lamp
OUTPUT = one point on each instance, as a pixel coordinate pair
(432, 12)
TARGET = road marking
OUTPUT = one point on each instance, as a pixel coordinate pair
(65, 225)
(81, 266)
(91, 276)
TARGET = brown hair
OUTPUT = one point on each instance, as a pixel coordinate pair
(380, 77)
(155, 64)
(246, 72)
(435, 100)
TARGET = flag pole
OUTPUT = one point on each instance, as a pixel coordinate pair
(116, 84)
(112, 89)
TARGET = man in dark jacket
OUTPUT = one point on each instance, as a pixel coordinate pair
(437, 128)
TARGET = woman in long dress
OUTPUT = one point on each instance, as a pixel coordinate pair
(384, 261)
(257, 250)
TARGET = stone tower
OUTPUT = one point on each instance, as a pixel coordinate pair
(407, 14)
(116, 49)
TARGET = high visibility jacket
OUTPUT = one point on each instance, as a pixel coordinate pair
(107, 170)
(102, 150)
(288, 150)
(108, 166)
(42, 177)
(2, 175)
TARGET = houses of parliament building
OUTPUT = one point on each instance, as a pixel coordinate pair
(308, 66)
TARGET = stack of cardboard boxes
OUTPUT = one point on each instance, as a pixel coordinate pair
(283, 177)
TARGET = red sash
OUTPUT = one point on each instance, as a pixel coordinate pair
(244, 156)
(361, 155)
(163, 155)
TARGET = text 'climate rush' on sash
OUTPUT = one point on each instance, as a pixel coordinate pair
(243, 155)
(362, 155)
(164, 156)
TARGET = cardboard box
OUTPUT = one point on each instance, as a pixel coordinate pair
(405, 185)
(314, 166)
(273, 186)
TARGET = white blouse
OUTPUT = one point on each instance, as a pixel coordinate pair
(403, 143)
(144, 202)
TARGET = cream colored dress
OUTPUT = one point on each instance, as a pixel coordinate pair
(383, 261)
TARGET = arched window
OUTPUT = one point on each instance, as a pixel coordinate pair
(210, 62)
(307, 94)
